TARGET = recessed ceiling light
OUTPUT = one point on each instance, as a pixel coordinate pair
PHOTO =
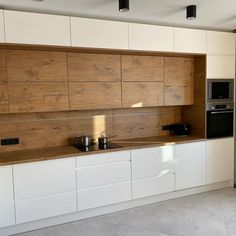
(123, 5)
(191, 12)
(38, 0)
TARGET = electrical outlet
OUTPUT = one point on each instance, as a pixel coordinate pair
(10, 141)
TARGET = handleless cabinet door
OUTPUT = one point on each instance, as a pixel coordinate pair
(38, 179)
(220, 43)
(93, 33)
(220, 160)
(190, 162)
(190, 40)
(2, 33)
(151, 37)
(7, 215)
(220, 66)
(33, 28)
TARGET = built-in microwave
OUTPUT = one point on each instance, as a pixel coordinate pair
(220, 90)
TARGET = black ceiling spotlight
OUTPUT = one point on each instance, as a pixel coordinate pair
(123, 5)
(191, 12)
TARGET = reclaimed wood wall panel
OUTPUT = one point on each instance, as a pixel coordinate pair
(179, 81)
(142, 68)
(93, 67)
(142, 94)
(26, 65)
(37, 96)
(94, 95)
(196, 114)
(3, 83)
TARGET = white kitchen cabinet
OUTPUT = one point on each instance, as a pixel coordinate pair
(190, 40)
(103, 195)
(92, 33)
(34, 28)
(152, 171)
(220, 160)
(45, 207)
(2, 33)
(220, 66)
(151, 37)
(37, 179)
(190, 165)
(7, 214)
(220, 43)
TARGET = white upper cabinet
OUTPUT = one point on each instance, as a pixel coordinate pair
(220, 43)
(190, 40)
(220, 66)
(151, 37)
(190, 165)
(2, 33)
(33, 28)
(92, 33)
(7, 214)
(220, 160)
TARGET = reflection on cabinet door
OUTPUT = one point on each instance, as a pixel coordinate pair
(190, 40)
(151, 37)
(220, 160)
(2, 33)
(190, 165)
(34, 28)
(220, 66)
(7, 214)
(94, 33)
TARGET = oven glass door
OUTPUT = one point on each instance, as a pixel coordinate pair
(220, 123)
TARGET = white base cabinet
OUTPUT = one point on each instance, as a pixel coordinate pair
(190, 164)
(7, 214)
(152, 171)
(220, 160)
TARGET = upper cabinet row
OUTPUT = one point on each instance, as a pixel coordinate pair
(33, 28)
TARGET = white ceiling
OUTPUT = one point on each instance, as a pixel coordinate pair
(211, 14)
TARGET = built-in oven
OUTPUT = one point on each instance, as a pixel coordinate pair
(220, 120)
(220, 90)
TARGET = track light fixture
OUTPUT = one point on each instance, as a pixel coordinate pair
(191, 12)
(123, 5)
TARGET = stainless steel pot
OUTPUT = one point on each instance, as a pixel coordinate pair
(84, 140)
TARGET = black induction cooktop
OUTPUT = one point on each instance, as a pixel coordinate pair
(96, 147)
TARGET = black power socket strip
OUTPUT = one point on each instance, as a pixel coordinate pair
(10, 141)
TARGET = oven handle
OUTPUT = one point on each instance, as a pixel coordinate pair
(221, 112)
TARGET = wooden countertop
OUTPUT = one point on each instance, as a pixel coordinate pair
(25, 156)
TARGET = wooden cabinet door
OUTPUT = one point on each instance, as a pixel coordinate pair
(2, 32)
(220, 160)
(151, 37)
(34, 28)
(92, 33)
(7, 214)
(190, 167)
(221, 66)
(3, 83)
(220, 43)
(179, 81)
(190, 40)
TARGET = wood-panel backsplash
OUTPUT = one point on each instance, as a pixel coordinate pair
(37, 130)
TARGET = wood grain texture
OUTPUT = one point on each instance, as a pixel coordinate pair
(196, 114)
(142, 94)
(37, 96)
(142, 68)
(23, 65)
(93, 67)
(179, 81)
(94, 95)
(3, 83)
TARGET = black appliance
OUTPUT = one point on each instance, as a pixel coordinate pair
(178, 129)
(220, 90)
(220, 120)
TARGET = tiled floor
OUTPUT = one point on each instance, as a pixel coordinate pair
(206, 214)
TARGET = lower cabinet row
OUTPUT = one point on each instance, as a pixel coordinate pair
(39, 190)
